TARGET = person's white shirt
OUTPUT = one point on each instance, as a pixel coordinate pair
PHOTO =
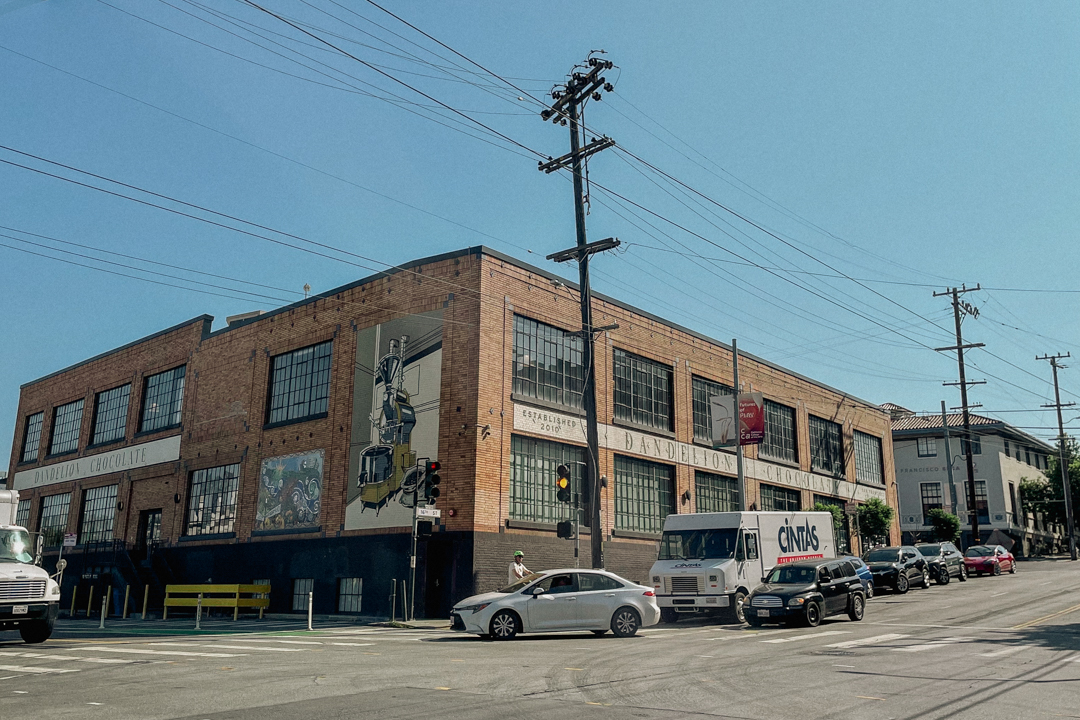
(517, 571)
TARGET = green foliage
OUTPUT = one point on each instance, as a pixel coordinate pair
(1049, 499)
(875, 519)
(837, 515)
(946, 525)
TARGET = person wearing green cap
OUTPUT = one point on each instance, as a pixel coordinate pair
(517, 568)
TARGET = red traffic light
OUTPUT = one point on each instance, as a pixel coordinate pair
(432, 466)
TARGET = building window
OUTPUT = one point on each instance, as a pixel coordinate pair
(350, 593)
(868, 468)
(982, 506)
(300, 589)
(532, 479)
(1007, 449)
(826, 447)
(67, 421)
(163, 400)
(927, 447)
(931, 499)
(779, 442)
(1027, 455)
(300, 384)
(98, 513)
(110, 415)
(32, 437)
(548, 363)
(715, 493)
(52, 523)
(1012, 503)
(644, 494)
(212, 500)
(22, 514)
(976, 446)
(703, 390)
(642, 391)
(780, 499)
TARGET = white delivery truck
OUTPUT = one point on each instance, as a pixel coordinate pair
(709, 562)
(29, 598)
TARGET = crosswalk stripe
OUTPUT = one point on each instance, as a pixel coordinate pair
(36, 670)
(138, 651)
(933, 644)
(290, 642)
(43, 656)
(867, 641)
(227, 647)
(361, 644)
(1006, 651)
(808, 637)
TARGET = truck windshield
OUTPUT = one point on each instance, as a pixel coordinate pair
(15, 546)
(698, 544)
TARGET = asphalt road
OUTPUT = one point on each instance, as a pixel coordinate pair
(994, 647)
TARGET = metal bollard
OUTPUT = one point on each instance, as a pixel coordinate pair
(74, 592)
(309, 610)
(90, 602)
(145, 599)
(393, 600)
(108, 600)
(198, 613)
(101, 624)
(127, 593)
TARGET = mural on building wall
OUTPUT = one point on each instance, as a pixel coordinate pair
(395, 418)
(290, 491)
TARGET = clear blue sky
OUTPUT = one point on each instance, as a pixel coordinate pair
(923, 144)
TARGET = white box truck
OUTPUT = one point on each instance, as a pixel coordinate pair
(29, 598)
(709, 562)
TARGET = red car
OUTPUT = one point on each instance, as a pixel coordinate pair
(989, 559)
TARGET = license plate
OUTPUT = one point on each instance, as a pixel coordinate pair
(20, 609)
(763, 613)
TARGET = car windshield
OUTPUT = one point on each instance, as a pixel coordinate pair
(787, 575)
(979, 551)
(883, 555)
(930, 550)
(698, 544)
(15, 546)
(531, 577)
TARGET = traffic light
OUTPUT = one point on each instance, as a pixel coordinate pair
(431, 481)
(564, 529)
(562, 484)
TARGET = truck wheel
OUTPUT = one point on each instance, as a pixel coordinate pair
(36, 632)
(738, 607)
(668, 615)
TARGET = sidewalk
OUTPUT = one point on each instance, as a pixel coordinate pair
(286, 624)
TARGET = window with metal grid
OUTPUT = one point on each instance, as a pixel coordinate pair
(926, 447)
(982, 503)
(98, 513)
(163, 400)
(300, 384)
(780, 499)
(532, 479)
(350, 594)
(642, 391)
(644, 494)
(868, 468)
(52, 523)
(932, 499)
(212, 500)
(300, 589)
(32, 437)
(779, 442)
(826, 446)
(22, 513)
(715, 493)
(548, 363)
(703, 390)
(110, 415)
(67, 421)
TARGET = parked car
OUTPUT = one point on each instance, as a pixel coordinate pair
(989, 559)
(807, 591)
(559, 601)
(864, 574)
(898, 567)
(944, 561)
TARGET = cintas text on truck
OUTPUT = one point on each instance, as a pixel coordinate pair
(29, 596)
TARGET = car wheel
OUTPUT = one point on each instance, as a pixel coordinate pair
(997, 569)
(625, 622)
(667, 615)
(1012, 568)
(962, 577)
(924, 581)
(813, 615)
(901, 583)
(36, 632)
(505, 625)
(856, 607)
(599, 632)
(738, 607)
(943, 576)
(869, 590)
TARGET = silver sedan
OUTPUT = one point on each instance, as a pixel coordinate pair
(559, 601)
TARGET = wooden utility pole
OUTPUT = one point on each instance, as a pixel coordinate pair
(1063, 455)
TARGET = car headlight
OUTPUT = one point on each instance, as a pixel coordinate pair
(473, 608)
(796, 602)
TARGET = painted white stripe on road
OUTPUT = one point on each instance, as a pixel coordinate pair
(808, 637)
(368, 644)
(136, 651)
(944, 642)
(290, 642)
(227, 647)
(867, 641)
(35, 670)
(1006, 651)
(43, 656)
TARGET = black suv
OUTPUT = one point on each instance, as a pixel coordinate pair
(805, 592)
(898, 567)
(944, 561)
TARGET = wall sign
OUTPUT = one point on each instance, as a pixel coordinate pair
(128, 458)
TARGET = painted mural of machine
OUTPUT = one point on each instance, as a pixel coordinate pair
(389, 467)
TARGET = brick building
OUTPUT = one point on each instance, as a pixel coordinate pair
(284, 446)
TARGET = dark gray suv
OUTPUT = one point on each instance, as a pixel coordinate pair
(805, 592)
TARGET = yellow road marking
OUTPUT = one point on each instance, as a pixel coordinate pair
(868, 697)
(442, 688)
(1028, 624)
(573, 668)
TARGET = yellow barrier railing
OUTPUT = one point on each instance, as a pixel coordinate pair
(217, 596)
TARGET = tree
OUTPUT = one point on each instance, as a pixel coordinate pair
(946, 525)
(1050, 500)
(875, 519)
(837, 515)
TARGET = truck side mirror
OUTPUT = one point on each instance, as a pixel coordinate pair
(39, 546)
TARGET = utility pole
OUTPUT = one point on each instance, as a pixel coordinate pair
(740, 472)
(569, 99)
(958, 308)
(1063, 458)
(948, 455)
